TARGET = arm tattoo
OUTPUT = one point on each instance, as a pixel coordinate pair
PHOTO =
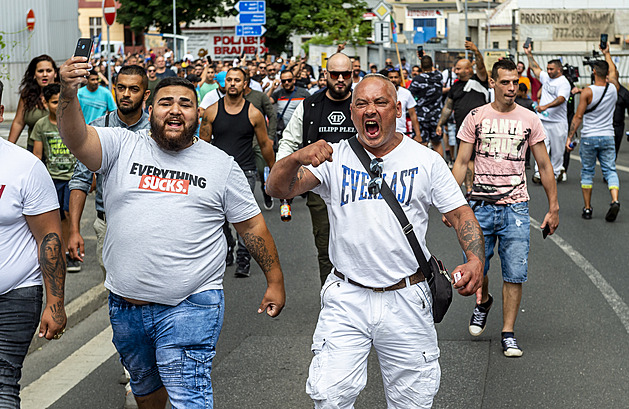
(260, 251)
(445, 112)
(57, 313)
(573, 129)
(52, 264)
(299, 176)
(472, 240)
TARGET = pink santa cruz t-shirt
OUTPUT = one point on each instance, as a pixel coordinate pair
(500, 140)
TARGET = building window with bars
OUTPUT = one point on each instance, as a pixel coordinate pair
(95, 26)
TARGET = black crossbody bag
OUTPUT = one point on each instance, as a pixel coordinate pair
(587, 111)
(433, 270)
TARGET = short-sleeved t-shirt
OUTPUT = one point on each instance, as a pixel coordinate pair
(552, 88)
(500, 140)
(205, 88)
(58, 158)
(367, 243)
(427, 88)
(408, 102)
(95, 104)
(282, 97)
(26, 189)
(467, 95)
(165, 215)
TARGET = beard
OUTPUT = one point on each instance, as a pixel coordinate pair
(183, 140)
(335, 93)
(130, 109)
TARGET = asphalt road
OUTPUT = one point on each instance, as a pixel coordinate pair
(573, 325)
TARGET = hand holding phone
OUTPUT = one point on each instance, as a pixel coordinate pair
(546, 231)
(527, 43)
(420, 51)
(83, 48)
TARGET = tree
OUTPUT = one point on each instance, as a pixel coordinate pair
(141, 14)
(329, 21)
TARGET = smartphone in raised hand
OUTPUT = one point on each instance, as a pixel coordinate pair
(527, 43)
(83, 48)
(604, 38)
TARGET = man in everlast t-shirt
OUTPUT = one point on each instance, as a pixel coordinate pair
(233, 121)
(324, 115)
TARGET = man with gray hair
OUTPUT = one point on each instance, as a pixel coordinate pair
(377, 295)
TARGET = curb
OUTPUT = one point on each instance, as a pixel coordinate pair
(76, 311)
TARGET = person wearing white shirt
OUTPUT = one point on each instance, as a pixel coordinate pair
(408, 105)
(552, 110)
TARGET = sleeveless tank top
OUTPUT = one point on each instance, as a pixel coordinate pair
(600, 121)
(30, 119)
(234, 135)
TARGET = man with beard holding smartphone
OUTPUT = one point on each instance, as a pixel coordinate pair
(166, 197)
(230, 124)
(131, 91)
(324, 115)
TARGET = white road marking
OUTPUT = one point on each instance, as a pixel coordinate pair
(59, 380)
(611, 296)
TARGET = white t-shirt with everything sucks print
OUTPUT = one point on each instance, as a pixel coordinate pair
(165, 215)
(367, 243)
(500, 140)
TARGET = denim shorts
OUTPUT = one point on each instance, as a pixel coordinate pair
(603, 148)
(161, 345)
(510, 226)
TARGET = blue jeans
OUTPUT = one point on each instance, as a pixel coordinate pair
(510, 226)
(19, 315)
(603, 148)
(161, 345)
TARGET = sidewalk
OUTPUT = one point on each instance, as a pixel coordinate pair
(84, 291)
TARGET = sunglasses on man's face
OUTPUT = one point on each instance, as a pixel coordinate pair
(375, 184)
(287, 80)
(151, 71)
(336, 74)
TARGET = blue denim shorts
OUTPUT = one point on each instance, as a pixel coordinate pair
(510, 226)
(63, 194)
(161, 345)
(602, 148)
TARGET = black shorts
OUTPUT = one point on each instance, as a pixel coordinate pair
(428, 132)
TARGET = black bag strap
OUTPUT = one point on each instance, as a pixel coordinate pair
(587, 111)
(287, 104)
(107, 119)
(395, 206)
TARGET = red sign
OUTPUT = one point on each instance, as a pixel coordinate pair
(30, 20)
(109, 11)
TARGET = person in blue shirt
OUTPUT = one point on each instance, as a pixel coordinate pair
(95, 100)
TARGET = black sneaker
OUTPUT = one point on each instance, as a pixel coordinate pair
(479, 317)
(243, 269)
(72, 265)
(614, 208)
(587, 213)
(229, 260)
(510, 347)
(268, 201)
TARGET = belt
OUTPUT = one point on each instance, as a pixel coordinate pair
(101, 215)
(418, 277)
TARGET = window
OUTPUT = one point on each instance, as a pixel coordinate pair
(496, 45)
(401, 27)
(95, 26)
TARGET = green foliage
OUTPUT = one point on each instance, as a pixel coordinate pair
(141, 14)
(330, 21)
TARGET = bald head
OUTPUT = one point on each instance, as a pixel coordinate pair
(464, 69)
(339, 62)
(367, 79)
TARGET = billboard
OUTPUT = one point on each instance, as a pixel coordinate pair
(566, 24)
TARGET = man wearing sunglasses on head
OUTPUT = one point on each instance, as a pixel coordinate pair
(325, 115)
(377, 296)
